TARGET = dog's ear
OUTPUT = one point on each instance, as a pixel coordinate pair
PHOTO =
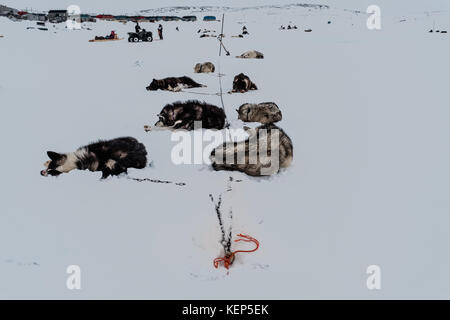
(54, 155)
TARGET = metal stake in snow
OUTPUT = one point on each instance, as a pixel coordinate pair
(220, 37)
(226, 242)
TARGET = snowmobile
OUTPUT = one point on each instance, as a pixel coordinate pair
(143, 35)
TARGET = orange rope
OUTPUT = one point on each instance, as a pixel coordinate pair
(228, 259)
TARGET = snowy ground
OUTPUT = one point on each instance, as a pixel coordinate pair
(368, 115)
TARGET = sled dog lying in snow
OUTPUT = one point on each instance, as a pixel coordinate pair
(253, 54)
(174, 84)
(242, 83)
(266, 112)
(181, 115)
(204, 67)
(205, 35)
(264, 152)
(111, 157)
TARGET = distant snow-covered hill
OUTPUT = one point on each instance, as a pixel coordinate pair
(202, 9)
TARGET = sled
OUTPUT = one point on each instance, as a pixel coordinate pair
(105, 40)
(145, 41)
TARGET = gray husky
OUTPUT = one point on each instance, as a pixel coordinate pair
(252, 54)
(206, 67)
(266, 112)
(267, 150)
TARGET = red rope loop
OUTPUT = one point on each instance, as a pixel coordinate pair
(228, 259)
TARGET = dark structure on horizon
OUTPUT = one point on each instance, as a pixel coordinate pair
(57, 16)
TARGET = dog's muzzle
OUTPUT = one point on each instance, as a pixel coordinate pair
(53, 173)
(159, 124)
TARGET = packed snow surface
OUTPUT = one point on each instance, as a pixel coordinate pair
(368, 114)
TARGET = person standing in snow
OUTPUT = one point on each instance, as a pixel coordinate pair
(160, 30)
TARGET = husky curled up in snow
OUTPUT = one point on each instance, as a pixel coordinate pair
(181, 115)
(173, 84)
(242, 83)
(111, 157)
(204, 67)
(267, 149)
(266, 112)
(253, 54)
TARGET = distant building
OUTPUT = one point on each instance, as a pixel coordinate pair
(122, 18)
(171, 18)
(137, 18)
(22, 14)
(151, 18)
(41, 17)
(6, 11)
(189, 18)
(209, 18)
(57, 16)
(87, 18)
(105, 17)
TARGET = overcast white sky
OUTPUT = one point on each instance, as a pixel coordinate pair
(115, 7)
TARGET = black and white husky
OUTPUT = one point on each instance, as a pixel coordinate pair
(183, 115)
(174, 84)
(111, 157)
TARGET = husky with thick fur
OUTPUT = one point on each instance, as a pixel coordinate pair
(252, 54)
(253, 161)
(174, 84)
(206, 67)
(266, 112)
(242, 83)
(181, 115)
(111, 157)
